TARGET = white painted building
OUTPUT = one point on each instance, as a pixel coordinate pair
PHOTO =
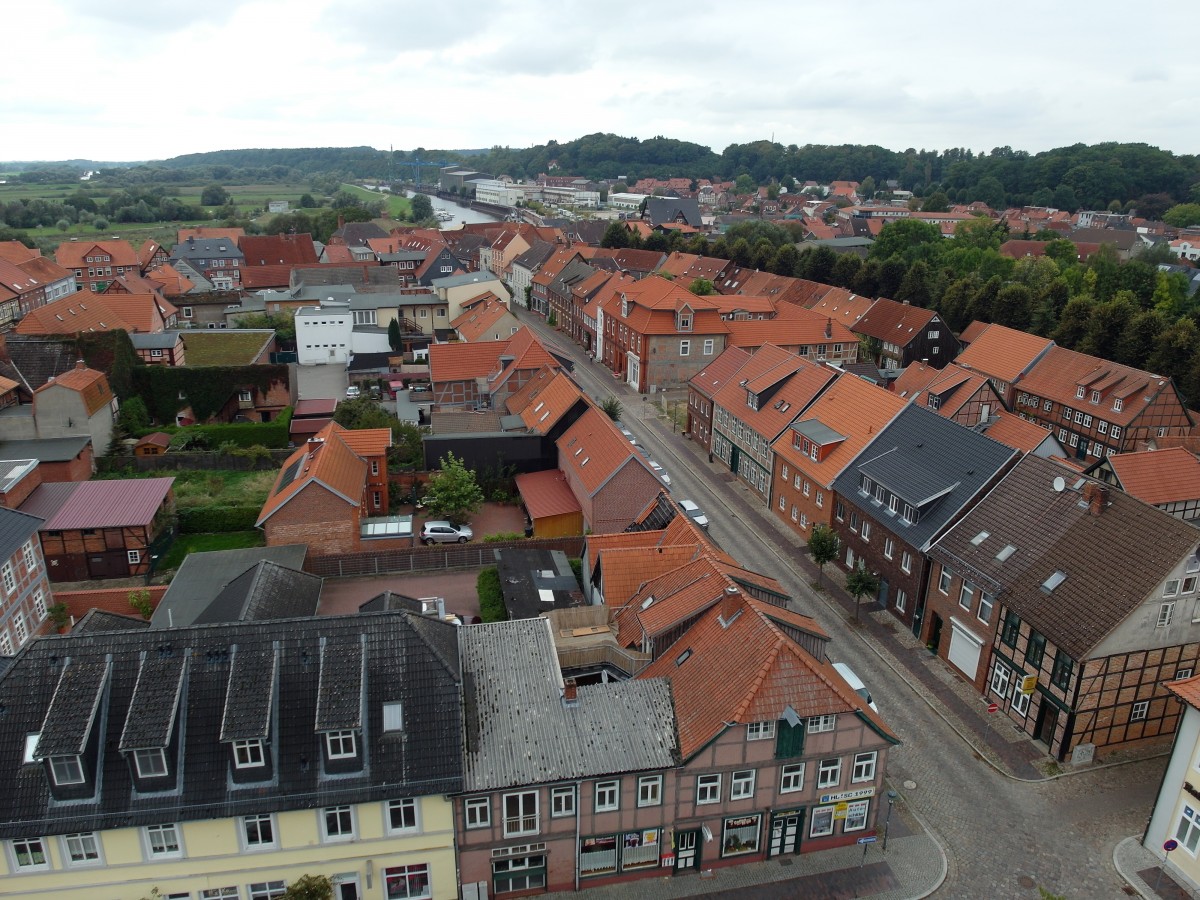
(567, 196)
(323, 334)
(493, 190)
(626, 201)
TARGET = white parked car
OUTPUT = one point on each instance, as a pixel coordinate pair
(660, 472)
(695, 513)
(352, 391)
(852, 679)
(443, 532)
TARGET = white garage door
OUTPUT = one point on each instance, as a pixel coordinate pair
(964, 649)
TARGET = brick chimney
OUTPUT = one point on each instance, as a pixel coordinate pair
(570, 692)
(829, 327)
(1095, 495)
(731, 605)
(80, 364)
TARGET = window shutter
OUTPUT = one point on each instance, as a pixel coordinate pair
(789, 740)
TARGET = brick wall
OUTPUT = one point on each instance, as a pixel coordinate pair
(626, 495)
(14, 497)
(115, 600)
(317, 518)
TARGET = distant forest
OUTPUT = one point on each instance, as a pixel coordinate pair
(1081, 176)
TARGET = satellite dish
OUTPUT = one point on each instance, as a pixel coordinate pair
(1059, 484)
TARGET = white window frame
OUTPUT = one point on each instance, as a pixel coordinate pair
(791, 778)
(829, 772)
(986, 604)
(477, 812)
(133, 557)
(741, 784)
(39, 605)
(760, 731)
(864, 767)
(393, 711)
(608, 796)
(520, 830)
(708, 789)
(1000, 679)
(150, 762)
(685, 348)
(889, 547)
(945, 576)
(901, 600)
(562, 802)
(249, 754)
(1166, 612)
(1187, 830)
(820, 823)
(266, 890)
(82, 849)
(417, 870)
(168, 836)
(404, 807)
(66, 770)
(820, 724)
(29, 556)
(253, 824)
(336, 743)
(966, 596)
(708, 346)
(856, 815)
(343, 817)
(9, 578)
(31, 848)
(905, 562)
(1141, 709)
(650, 790)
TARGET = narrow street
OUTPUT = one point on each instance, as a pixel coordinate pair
(1003, 837)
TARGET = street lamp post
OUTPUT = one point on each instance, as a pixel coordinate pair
(891, 797)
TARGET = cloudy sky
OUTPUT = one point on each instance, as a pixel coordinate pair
(144, 79)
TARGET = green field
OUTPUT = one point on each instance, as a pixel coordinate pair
(399, 207)
(222, 348)
(199, 543)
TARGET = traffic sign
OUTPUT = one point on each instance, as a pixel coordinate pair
(993, 707)
(867, 840)
(1170, 844)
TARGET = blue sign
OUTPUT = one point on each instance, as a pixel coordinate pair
(1170, 844)
(867, 840)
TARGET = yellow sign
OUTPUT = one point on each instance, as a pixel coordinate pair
(1028, 684)
(839, 811)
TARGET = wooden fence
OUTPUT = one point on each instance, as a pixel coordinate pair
(427, 559)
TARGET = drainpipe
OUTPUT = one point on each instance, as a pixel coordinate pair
(578, 801)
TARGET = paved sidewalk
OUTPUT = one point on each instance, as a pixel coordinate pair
(914, 867)
(1142, 869)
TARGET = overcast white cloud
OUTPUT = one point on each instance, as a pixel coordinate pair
(143, 79)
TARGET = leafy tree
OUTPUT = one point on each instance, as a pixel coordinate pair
(1183, 214)
(866, 282)
(308, 201)
(936, 202)
(980, 232)
(422, 207)
(284, 324)
(914, 288)
(1108, 324)
(823, 546)
(702, 287)
(860, 583)
(744, 184)
(866, 188)
(891, 276)
(1153, 206)
(1013, 307)
(784, 261)
(611, 407)
(909, 239)
(214, 195)
(741, 252)
(310, 887)
(1136, 343)
(1074, 321)
(133, 416)
(817, 265)
(140, 601)
(1174, 349)
(394, 334)
(845, 270)
(453, 492)
(616, 236)
(100, 224)
(120, 377)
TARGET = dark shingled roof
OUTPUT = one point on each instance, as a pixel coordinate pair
(266, 590)
(202, 576)
(15, 529)
(935, 464)
(86, 690)
(101, 620)
(37, 360)
(1053, 531)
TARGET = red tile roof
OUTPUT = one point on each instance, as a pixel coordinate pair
(712, 377)
(595, 450)
(277, 249)
(326, 461)
(1158, 476)
(972, 331)
(365, 441)
(842, 306)
(211, 232)
(894, 322)
(90, 384)
(1187, 690)
(1003, 353)
(156, 439)
(74, 254)
(953, 384)
(173, 284)
(794, 327)
(476, 322)
(553, 394)
(801, 381)
(1020, 434)
(461, 361)
(546, 494)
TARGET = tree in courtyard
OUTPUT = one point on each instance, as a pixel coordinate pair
(859, 583)
(214, 195)
(454, 492)
(823, 547)
(702, 287)
(422, 207)
(394, 334)
(133, 417)
(310, 887)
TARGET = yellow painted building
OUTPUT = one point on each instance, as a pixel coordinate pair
(1176, 814)
(409, 847)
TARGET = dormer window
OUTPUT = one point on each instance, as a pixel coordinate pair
(624, 308)
(248, 754)
(933, 401)
(1079, 393)
(752, 399)
(66, 770)
(1095, 396)
(151, 763)
(685, 323)
(865, 485)
(340, 745)
(1118, 404)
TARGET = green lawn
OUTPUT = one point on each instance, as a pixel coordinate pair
(198, 543)
(222, 487)
(399, 207)
(212, 347)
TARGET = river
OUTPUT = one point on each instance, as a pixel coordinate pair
(461, 213)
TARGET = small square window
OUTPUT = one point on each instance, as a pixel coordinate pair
(150, 763)
(708, 789)
(650, 790)
(402, 816)
(337, 823)
(340, 744)
(562, 802)
(478, 812)
(608, 796)
(829, 774)
(791, 778)
(1140, 710)
(30, 853)
(258, 831)
(162, 841)
(741, 785)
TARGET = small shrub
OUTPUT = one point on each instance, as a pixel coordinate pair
(59, 615)
(500, 536)
(577, 568)
(140, 601)
(491, 598)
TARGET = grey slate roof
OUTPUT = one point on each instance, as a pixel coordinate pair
(815, 431)
(520, 732)
(664, 209)
(453, 281)
(36, 360)
(100, 620)
(60, 449)
(934, 464)
(1053, 531)
(16, 528)
(204, 575)
(96, 687)
(161, 341)
(266, 590)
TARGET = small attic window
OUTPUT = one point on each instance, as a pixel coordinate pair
(31, 742)
(1008, 551)
(538, 408)
(578, 451)
(683, 657)
(393, 716)
(646, 603)
(979, 538)
(585, 461)
(1053, 581)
